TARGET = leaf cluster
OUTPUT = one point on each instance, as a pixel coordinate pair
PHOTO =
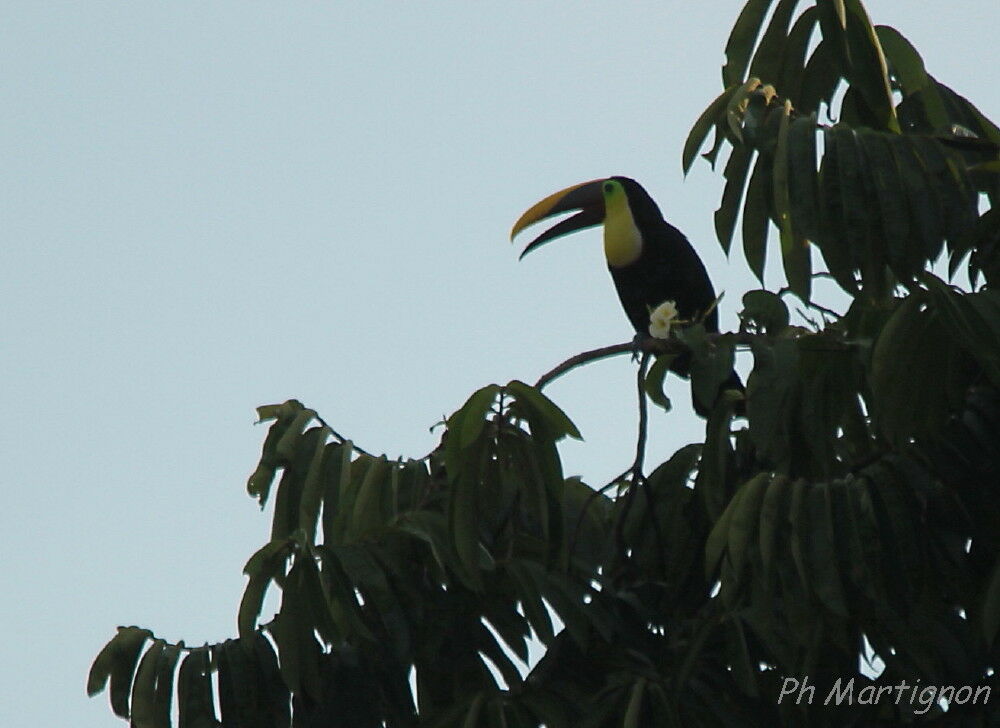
(881, 191)
(846, 528)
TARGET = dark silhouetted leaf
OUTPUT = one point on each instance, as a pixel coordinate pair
(741, 40)
(144, 712)
(653, 383)
(117, 660)
(196, 706)
(736, 176)
(793, 59)
(708, 119)
(756, 214)
(765, 311)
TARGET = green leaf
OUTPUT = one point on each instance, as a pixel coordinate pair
(463, 519)
(696, 137)
(633, 713)
(765, 311)
(273, 690)
(820, 78)
(919, 371)
(330, 605)
(711, 363)
(857, 243)
(908, 68)
(736, 116)
(901, 557)
(546, 410)
(743, 533)
(767, 58)
(793, 58)
(164, 692)
(489, 647)
(370, 507)
(798, 512)
(333, 596)
(868, 69)
(794, 248)
(756, 214)
(196, 707)
(773, 513)
(718, 537)
(117, 661)
(566, 600)
(864, 541)
(530, 597)
(285, 449)
(736, 176)
(852, 187)
(259, 483)
(144, 712)
(771, 391)
(893, 209)
(924, 206)
(511, 626)
(351, 481)
(803, 180)
(653, 384)
(741, 40)
(823, 548)
(293, 631)
(831, 235)
(239, 695)
(250, 605)
(833, 23)
(289, 497)
(337, 482)
(312, 490)
(972, 321)
(951, 184)
(712, 484)
(432, 529)
(473, 413)
(100, 669)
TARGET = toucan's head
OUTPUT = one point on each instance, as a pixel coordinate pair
(618, 202)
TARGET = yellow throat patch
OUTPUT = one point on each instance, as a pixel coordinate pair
(622, 239)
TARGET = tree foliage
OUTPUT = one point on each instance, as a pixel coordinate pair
(848, 528)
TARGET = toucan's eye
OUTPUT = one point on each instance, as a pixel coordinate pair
(608, 187)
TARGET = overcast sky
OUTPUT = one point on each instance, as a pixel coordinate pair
(208, 206)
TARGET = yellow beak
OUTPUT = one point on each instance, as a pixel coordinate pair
(587, 197)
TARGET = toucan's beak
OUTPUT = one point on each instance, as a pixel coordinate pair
(587, 197)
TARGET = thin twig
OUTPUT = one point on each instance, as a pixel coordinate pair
(585, 357)
(583, 512)
(640, 448)
(640, 445)
(646, 344)
(812, 304)
(634, 474)
(340, 437)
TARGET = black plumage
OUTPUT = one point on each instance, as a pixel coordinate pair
(658, 266)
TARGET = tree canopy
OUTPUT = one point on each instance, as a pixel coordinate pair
(847, 528)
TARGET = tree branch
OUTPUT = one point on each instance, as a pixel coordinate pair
(340, 437)
(588, 356)
(650, 345)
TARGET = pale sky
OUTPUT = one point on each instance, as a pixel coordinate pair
(216, 205)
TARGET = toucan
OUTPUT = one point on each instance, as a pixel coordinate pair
(650, 260)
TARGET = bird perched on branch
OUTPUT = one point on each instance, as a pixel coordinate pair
(649, 259)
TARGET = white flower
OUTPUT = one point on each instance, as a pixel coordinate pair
(661, 318)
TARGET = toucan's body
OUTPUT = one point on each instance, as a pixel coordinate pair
(649, 259)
